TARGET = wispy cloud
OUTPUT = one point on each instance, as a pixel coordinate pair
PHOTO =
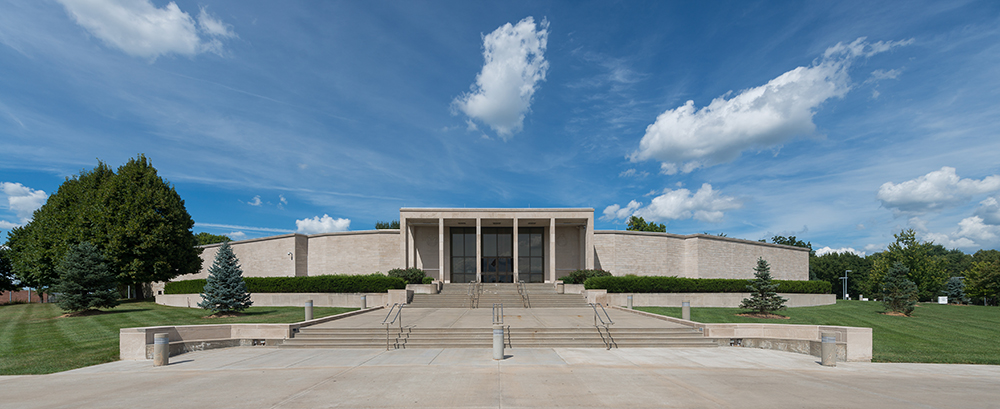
(238, 227)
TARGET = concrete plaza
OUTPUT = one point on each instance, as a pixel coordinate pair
(263, 377)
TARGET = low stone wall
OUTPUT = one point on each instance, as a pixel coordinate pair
(713, 300)
(856, 342)
(348, 300)
(137, 343)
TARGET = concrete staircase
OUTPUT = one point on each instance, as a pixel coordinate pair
(483, 338)
(539, 296)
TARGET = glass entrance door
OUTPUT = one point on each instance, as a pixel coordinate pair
(498, 257)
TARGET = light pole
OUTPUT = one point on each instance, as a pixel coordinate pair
(845, 282)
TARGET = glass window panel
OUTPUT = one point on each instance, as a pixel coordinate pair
(470, 244)
(522, 244)
(457, 265)
(523, 265)
(536, 278)
(503, 245)
(536, 244)
(457, 244)
(470, 265)
(489, 245)
(536, 265)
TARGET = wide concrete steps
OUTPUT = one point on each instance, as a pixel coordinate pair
(483, 338)
(539, 296)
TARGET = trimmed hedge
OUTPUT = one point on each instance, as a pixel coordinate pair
(660, 284)
(373, 283)
(580, 276)
(411, 275)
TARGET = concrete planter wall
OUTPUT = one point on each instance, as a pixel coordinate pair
(424, 288)
(714, 300)
(348, 300)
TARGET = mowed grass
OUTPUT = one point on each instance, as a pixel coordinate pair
(954, 334)
(34, 340)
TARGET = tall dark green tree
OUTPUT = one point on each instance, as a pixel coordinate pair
(640, 224)
(899, 294)
(380, 225)
(85, 282)
(135, 218)
(831, 266)
(923, 269)
(7, 279)
(983, 278)
(208, 238)
(764, 297)
(225, 290)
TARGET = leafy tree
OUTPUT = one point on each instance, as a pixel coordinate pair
(763, 293)
(923, 268)
(831, 266)
(7, 279)
(954, 262)
(380, 225)
(983, 278)
(792, 241)
(899, 294)
(207, 238)
(639, 224)
(225, 290)
(955, 290)
(135, 218)
(85, 282)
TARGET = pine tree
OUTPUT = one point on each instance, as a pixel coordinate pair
(899, 294)
(763, 294)
(225, 290)
(85, 281)
(955, 291)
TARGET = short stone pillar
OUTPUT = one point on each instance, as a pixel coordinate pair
(364, 301)
(686, 310)
(829, 348)
(309, 310)
(560, 287)
(161, 349)
(498, 341)
(630, 301)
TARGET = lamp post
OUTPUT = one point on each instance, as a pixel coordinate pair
(845, 282)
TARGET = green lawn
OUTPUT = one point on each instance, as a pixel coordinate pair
(935, 333)
(34, 340)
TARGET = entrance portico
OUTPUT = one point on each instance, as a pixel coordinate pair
(497, 245)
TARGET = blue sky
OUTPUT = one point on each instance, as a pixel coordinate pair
(837, 122)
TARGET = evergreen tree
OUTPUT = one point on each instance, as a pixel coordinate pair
(85, 282)
(763, 295)
(899, 294)
(225, 290)
(956, 291)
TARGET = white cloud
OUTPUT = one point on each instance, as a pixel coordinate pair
(237, 235)
(686, 138)
(628, 173)
(237, 227)
(5, 225)
(326, 224)
(282, 199)
(255, 201)
(934, 191)
(22, 200)
(879, 75)
(989, 211)
(514, 65)
(140, 29)
(706, 205)
(842, 250)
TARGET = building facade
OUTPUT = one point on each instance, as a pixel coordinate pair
(509, 245)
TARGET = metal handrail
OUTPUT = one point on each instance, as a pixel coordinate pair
(523, 291)
(609, 342)
(395, 318)
(498, 318)
(597, 315)
(471, 294)
(477, 293)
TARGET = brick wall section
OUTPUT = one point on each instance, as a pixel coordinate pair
(21, 296)
(356, 252)
(694, 256)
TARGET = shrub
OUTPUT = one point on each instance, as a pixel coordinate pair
(85, 281)
(411, 275)
(428, 280)
(899, 294)
(580, 276)
(373, 283)
(764, 297)
(662, 284)
(225, 290)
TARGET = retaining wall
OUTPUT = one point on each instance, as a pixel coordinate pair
(349, 300)
(714, 300)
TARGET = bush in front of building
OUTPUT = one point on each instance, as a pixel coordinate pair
(428, 280)
(580, 276)
(672, 284)
(372, 283)
(411, 275)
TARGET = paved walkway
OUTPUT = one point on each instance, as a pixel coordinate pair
(260, 377)
(515, 317)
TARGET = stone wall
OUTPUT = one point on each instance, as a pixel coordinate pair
(356, 252)
(278, 256)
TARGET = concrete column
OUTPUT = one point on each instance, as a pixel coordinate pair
(161, 349)
(630, 301)
(411, 251)
(498, 341)
(441, 275)
(686, 310)
(479, 249)
(514, 242)
(588, 247)
(552, 251)
(829, 348)
(309, 310)
(403, 238)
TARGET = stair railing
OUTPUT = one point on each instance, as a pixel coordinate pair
(609, 342)
(522, 290)
(498, 313)
(397, 318)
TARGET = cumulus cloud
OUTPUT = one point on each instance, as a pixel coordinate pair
(237, 235)
(842, 250)
(687, 138)
(23, 201)
(514, 65)
(141, 29)
(989, 211)
(255, 201)
(325, 224)
(934, 191)
(706, 205)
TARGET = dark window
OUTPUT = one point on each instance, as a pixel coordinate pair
(530, 257)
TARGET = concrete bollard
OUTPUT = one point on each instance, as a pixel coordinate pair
(364, 302)
(309, 310)
(829, 350)
(686, 310)
(498, 342)
(161, 349)
(560, 287)
(630, 301)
